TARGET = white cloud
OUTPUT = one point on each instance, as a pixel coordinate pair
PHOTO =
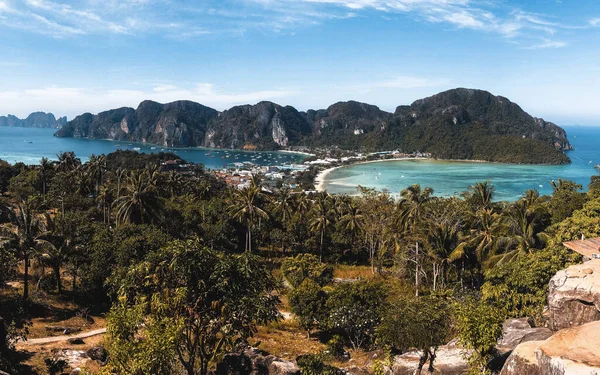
(595, 22)
(547, 43)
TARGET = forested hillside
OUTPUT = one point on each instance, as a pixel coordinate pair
(182, 269)
(456, 124)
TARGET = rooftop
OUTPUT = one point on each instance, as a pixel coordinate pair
(586, 248)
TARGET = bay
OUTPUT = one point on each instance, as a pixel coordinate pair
(29, 145)
(451, 178)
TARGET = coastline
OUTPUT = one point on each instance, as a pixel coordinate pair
(319, 181)
(321, 177)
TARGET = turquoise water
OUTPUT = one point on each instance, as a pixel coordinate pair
(451, 178)
(29, 145)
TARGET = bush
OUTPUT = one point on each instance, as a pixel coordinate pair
(336, 347)
(356, 309)
(304, 266)
(308, 304)
(312, 364)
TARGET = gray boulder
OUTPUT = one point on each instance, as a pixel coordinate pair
(574, 296)
(517, 331)
(253, 361)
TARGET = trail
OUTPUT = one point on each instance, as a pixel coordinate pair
(52, 339)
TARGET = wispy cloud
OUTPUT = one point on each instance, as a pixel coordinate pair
(181, 19)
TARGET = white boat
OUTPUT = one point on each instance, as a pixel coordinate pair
(136, 149)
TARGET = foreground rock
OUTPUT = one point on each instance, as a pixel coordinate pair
(517, 331)
(450, 360)
(253, 361)
(574, 296)
(573, 351)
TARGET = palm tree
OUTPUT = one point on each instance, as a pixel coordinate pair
(480, 195)
(322, 218)
(95, 168)
(67, 161)
(523, 232)
(413, 203)
(284, 203)
(45, 167)
(22, 235)
(140, 199)
(594, 184)
(245, 207)
(482, 238)
(120, 173)
(174, 181)
(443, 239)
(353, 220)
(412, 206)
(55, 246)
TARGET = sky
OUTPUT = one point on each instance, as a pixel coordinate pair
(71, 57)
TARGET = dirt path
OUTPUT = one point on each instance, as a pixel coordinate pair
(51, 339)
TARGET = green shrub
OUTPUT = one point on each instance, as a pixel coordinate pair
(296, 270)
(307, 302)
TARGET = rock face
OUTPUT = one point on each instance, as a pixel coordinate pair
(455, 124)
(571, 351)
(450, 360)
(177, 124)
(253, 361)
(34, 120)
(265, 125)
(574, 295)
(517, 331)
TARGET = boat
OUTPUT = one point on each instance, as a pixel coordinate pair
(152, 148)
(136, 149)
(597, 166)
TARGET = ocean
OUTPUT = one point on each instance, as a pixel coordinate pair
(29, 145)
(451, 178)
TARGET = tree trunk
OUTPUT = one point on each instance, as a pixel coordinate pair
(3, 337)
(57, 276)
(74, 285)
(321, 247)
(26, 278)
(417, 271)
(422, 362)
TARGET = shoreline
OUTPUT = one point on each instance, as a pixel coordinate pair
(320, 178)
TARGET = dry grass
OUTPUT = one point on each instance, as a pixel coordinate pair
(286, 339)
(37, 354)
(353, 272)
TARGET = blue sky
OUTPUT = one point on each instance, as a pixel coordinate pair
(92, 55)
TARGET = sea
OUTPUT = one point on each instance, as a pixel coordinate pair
(451, 178)
(29, 145)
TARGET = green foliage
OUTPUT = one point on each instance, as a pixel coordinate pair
(479, 326)
(336, 346)
(312, 364)
(307, 302)
(566, 199)
(356, 309)
(422, 323)
(208, 298)
(520, 288)
(306, 266)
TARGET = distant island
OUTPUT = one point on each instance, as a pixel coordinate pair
(34, 120)
(461, 123)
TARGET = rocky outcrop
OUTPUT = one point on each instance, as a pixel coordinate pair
(450, 360)
(265, 125)
(455, 124)
(574, 295)
(253, 361)
(177, 124)
(571, 351)
(34, 120)
(517, 331)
